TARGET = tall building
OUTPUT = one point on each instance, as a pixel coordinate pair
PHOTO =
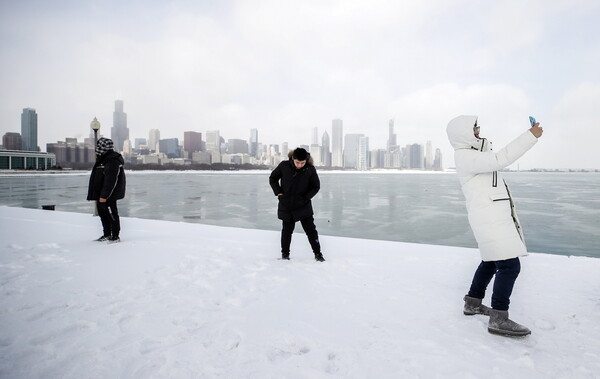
(213, 145)
(12, 141)
(29, 130)
(377, 158)
(169, 147)
(213, 141)
(337, 143)
(253, 143)
(415, 156)
(315, 136)
(140, 142)
(326, 153)
(119, 132)
(437, 163)
(392, 144)
(70, 151)
(237, 146)
(127, 148)
(285, 149)
(351, 150)
(363, 153)
(316, 153)
(192, 142)
(428, 156)
(153, 139)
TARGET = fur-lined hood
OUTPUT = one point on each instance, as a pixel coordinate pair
(308, 161)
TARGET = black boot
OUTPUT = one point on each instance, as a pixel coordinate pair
(319, 257)
(285, 256)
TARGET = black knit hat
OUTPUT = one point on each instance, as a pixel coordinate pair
(300, 154)
(103, 145)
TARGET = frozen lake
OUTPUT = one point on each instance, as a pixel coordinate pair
(560, 212)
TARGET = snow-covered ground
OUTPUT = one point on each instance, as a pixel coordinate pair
(178, 300)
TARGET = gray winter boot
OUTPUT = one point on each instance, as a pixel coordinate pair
(473, 306)
(502, 325)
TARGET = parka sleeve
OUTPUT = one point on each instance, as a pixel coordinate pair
(274, 180)
(477, 162)
(314, 185)
(111, 178)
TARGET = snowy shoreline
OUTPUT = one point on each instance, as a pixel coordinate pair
(190, 300)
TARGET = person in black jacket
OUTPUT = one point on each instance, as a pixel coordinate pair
(295, 182)
(107, 185)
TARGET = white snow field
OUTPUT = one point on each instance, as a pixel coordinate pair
(179, 300)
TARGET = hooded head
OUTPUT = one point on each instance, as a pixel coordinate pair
(103, 145)
(461, 134)
(300, 154)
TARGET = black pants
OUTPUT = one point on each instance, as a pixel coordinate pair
(506, 273)
(308, 224)
(109, 215)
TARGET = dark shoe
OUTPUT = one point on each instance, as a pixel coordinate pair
(319, 257)
(285, 256)
(502, 325)
(473, 306)
(102, 239)
(113, 239)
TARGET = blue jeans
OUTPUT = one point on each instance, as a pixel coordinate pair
(506, 273)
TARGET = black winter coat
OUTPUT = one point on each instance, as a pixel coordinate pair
(108, 178)
(297, 186)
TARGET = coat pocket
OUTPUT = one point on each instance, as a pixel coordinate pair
(499, 196)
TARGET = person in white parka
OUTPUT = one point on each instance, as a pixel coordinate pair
(492, 218)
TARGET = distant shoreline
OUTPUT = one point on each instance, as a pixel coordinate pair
(22, 173)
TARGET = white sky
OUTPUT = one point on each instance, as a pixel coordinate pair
(287, 67)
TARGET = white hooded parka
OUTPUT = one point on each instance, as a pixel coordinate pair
(490, 207)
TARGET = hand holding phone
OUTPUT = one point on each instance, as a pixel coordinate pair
(535, 130)
(532, 120)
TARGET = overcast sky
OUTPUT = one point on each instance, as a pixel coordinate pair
(285, 67)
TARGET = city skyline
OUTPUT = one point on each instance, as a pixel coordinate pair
(356, 152)
(284, 68)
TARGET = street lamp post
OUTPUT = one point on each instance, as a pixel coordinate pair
(95, 125)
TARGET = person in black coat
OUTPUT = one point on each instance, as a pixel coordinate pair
(107, 185)
(295, 182)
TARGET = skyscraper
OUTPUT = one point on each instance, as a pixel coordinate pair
(12, 141)
(192, 141)
(326, 158)
(29, 130)
(315, 136)
(428, 156)
(437, 163)
(337, 143)
(169, 147)
(363, 153)
(237, 146)
(352, 143)
(153, 140)
(253, 143)
(392, 144)
(415, 156)
(285, 149)
(119, 132)
(213, 141)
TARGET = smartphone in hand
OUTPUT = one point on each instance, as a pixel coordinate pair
(532, 120)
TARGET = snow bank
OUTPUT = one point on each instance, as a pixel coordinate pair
(178, 300)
